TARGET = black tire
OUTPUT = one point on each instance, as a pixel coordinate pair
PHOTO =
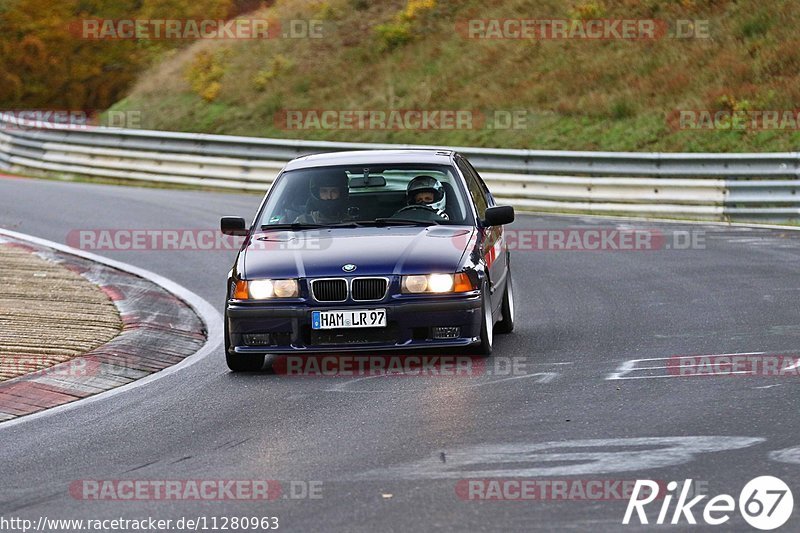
(244, 363)
(506, 325)
(239, 362)
(484, 348)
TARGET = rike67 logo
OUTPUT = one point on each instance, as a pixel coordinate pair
(765, 503)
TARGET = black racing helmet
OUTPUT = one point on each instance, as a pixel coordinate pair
(338, 180)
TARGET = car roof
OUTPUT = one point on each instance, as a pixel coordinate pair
(372, 157)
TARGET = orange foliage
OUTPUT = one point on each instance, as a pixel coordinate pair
(45, 63)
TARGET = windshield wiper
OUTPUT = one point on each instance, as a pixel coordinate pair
(348, 224)
(294, 226)
(298, 226)
(403, 222)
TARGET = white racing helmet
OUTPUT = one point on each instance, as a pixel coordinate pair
(427, 184)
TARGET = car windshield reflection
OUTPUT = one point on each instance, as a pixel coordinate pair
(377, 196)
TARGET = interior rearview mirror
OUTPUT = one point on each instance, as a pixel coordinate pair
(371, 181)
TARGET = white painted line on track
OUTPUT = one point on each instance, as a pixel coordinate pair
(543, 377)
(563, 457)
(677, 376)
(788, 455)
(210, 317)
(341, 387)
(632, 365)
(623, 369)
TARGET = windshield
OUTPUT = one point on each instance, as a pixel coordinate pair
(388, 194)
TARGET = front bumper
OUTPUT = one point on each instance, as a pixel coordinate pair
(409, 325)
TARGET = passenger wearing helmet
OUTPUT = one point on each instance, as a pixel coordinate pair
(327, 203)
(428, 192)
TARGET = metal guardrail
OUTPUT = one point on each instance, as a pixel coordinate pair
(761, 187)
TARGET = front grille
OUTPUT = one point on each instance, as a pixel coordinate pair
(369, 289)
(330, 337)
(329, 290)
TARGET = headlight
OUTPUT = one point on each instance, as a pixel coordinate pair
(415, 284)
(261, 289)
(437, 283)
(285, 288)
(440, 282)
(264, 289)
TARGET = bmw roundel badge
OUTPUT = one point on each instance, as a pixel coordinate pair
(349, 267)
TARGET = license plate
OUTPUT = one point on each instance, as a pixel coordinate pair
(351, 318)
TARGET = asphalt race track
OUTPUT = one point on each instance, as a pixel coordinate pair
(390, 451)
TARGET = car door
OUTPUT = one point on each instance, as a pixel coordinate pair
(493, 247)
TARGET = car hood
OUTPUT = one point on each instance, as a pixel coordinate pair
(374, 251)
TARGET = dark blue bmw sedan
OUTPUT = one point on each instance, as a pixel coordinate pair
(368, 251)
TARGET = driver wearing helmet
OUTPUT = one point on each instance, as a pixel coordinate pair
(428, 192)
(328, 199)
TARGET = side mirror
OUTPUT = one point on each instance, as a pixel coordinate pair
(499, 215)
(233, 226)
